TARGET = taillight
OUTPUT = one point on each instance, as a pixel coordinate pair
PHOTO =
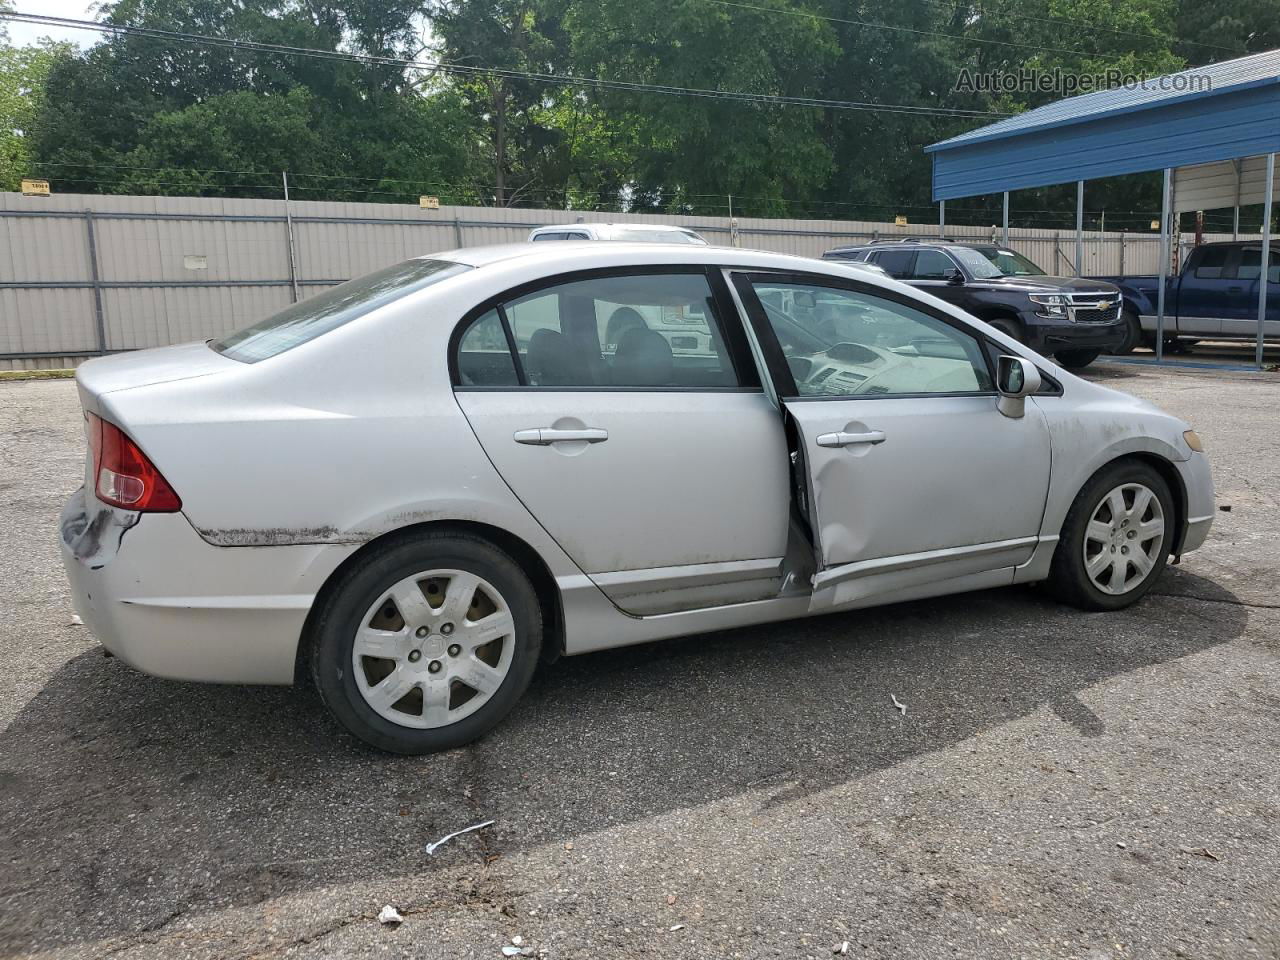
(124, 476)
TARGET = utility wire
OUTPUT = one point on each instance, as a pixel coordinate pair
(886, 26)
(464, 70)
(955, 7)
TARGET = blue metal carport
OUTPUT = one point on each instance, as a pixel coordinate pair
(1215, 128)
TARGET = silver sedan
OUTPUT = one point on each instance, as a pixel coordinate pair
(415, 487)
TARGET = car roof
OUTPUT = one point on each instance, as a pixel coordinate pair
(656, 227)
(602, 254)
(913, 245)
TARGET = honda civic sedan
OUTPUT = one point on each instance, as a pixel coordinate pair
(412, 489)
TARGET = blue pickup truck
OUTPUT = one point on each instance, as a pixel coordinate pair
(1215, 297)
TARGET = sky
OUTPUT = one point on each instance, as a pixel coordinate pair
(21, 34)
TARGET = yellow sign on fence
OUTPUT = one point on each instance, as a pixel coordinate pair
(899, 221)
(35, 188)
(429, 203)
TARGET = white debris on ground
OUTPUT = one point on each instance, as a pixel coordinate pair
(902, 707)
(431, 847)
(389, 916)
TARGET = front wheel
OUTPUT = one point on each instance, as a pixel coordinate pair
(1132, 332)
(1076, 359)
(426, 644)
(1115, 539)
(1009, 327)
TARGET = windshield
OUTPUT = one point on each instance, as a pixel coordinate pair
(657, 236)
(979, 266)
(327, 311)
(1011, 264)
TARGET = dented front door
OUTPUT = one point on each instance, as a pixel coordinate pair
(909, 473)
(914, 489)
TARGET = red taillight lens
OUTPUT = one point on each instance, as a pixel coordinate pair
(124, 476)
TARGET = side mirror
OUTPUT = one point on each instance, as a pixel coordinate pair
(1016, 379)
(955, 278)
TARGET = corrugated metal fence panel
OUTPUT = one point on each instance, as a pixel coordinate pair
(183, 268)
(45, 321)
(34, 250)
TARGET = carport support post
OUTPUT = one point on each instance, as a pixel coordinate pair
(288, 222)
(98, 316)
(1235, 213)
(1079, 228)
(1004, 236)
(942, 219)
(1267, 197)
(1164, 263)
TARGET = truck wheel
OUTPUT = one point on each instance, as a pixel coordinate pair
(1009, 327)
(1132, 332)
(1076, 359)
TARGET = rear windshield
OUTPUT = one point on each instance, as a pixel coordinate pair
(329, 310)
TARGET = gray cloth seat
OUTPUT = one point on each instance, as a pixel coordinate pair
(643, 359)
(551, 362)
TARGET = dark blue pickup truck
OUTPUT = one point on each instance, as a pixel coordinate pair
(1215, 297)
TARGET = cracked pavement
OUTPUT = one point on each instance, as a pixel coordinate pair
(1062, 784)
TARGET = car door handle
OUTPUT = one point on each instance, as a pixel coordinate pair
(843, 439)
(545, 436)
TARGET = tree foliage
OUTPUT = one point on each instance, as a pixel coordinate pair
(136, 113)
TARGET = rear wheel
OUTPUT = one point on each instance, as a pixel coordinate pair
(426, 644)
(1115, 539)
(1076, 359)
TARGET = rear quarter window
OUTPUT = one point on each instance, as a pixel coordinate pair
(327, 311)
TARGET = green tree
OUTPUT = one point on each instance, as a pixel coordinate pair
(693, 152)
(23, 71)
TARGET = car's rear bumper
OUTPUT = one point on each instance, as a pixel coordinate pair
(166, 602)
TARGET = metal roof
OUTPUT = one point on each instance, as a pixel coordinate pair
(1189, 84)
(1200, 115)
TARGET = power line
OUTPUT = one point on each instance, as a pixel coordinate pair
(886, 26)
(1089, 26)
(953, 36)
(464, 70)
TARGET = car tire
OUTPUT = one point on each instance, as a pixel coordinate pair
(1132, 332)
(1103, 534)
(406, 612)
(1009, 327)
(1076, 359)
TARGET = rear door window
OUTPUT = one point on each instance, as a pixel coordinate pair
(897, 263)
(658, 331)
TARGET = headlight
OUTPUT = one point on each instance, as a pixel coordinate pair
(1193, 440)
(1055, 304)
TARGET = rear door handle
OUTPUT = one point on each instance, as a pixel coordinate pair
(843, 439)
(545, 436)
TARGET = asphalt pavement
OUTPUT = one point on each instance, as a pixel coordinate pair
(1062, 784)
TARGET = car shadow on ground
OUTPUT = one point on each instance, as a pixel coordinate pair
(129, 800)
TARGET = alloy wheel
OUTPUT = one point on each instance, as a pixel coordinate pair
(433, 649)
(1123, 539)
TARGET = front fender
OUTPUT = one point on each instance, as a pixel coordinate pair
(1077, 455)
